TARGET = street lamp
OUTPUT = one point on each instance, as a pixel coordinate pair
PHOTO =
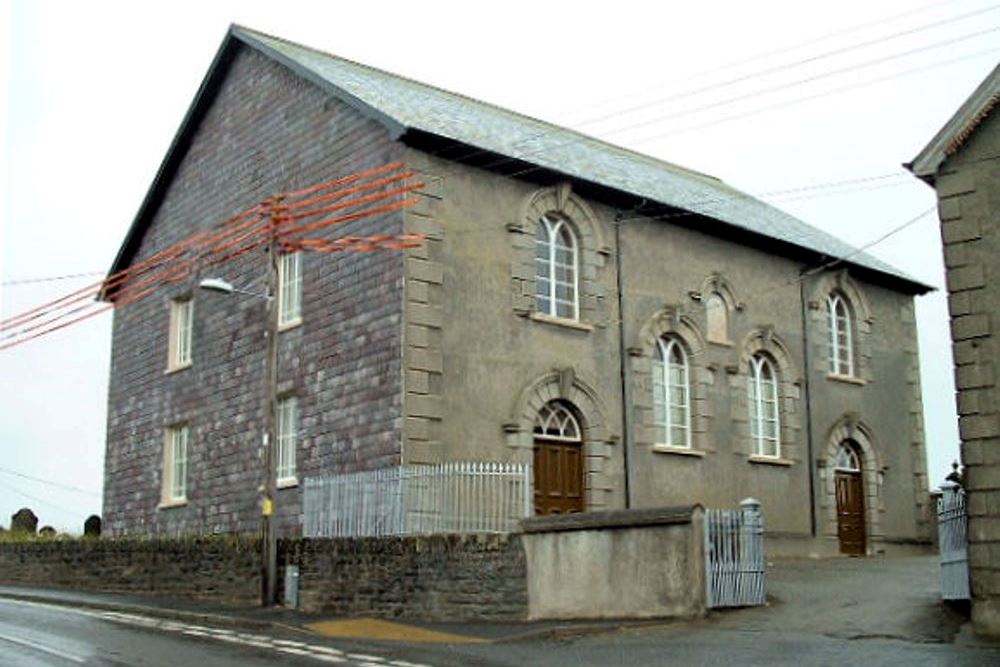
(269, 555)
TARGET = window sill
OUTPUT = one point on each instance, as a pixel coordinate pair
(849, 379)
(680, 451)
(562, 322)
(721, 343)
(291, 324)
(288, 482)
(178, 367)
(771, 460)
(172, 504)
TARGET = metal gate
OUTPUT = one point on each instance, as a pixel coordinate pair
(953, 540)
(734, 556)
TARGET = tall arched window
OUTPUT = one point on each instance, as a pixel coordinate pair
(671, 394)
(839, 342)
(556, 263)
(762, 396)
(717, 317)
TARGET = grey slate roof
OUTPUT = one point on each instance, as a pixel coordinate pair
(404, 105)
(407, 104)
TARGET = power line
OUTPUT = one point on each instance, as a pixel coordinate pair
(794, 64)
(48, 503)
(49, 279)
(66, 487)
(774, 52)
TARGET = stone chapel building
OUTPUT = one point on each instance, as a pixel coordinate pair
(643, 334)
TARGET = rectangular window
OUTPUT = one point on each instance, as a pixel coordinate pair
(175, 448)
(181, 325)
(288, 425)
(289, 289)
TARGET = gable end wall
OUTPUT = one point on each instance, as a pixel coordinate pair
(267, 131)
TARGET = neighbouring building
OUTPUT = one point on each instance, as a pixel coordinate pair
(644, 335)
(962, 163)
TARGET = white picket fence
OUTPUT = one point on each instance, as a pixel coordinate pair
(953, 541)
(734, 556)
(468, 497)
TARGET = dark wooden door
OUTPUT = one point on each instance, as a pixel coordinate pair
(558, 477)
(850, 513)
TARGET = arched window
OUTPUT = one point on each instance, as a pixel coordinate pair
(554, 421)
(717, 317)
(762, 396)
(839, 342)
(671, 394)
(847, 458)
(556, 263)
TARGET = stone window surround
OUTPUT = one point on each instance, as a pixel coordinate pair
(764, 340)
(598, 442)
(716, 283)
(862, 321)
(849, 427)
(592, 254)
(669, 323)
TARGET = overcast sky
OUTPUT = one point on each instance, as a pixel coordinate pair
(812, 106)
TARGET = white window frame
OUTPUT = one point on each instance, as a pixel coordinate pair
(550, 229)
(555, 416)
(175, 459)
(287, 430)
(847, 459)
(762, 398)
(672, 392)
(840, 343)
(179, 346)
(289, 290)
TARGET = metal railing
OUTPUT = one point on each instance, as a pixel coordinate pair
(734, 556)
(468, 497)
(953, 540)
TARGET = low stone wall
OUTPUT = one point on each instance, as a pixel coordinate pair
(224, 569)
(432, 577)
(618, 564)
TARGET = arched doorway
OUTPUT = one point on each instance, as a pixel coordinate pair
(849, 492)
(558, 460)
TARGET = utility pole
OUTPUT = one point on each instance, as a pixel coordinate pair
(269, 556)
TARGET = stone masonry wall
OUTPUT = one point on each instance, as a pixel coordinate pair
(266, 131)
(436, 577)
(968, 189)
(222, 569)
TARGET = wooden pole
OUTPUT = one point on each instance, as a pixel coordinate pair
(270, 541)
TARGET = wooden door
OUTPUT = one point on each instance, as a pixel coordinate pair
(558, 477)
(850, 513)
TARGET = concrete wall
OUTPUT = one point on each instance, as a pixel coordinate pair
(267, 131)
(480, 361)
(968, 188)
(628, 564)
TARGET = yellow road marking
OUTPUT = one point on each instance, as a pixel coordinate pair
(373, 628)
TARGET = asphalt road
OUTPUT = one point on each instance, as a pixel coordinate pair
(37, 635)
(883, 612)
